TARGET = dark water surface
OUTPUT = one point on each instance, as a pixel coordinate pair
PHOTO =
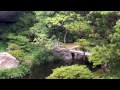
(41, 71)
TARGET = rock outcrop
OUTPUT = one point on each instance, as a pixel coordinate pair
(65, 54)
(7, 61)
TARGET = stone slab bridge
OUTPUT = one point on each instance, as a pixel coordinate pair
(78, 54)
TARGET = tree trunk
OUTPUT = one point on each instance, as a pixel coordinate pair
(65, 37)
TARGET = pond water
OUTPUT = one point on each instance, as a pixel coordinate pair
(41, 71)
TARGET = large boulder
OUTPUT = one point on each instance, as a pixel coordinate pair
(7, 61)
(64, 53)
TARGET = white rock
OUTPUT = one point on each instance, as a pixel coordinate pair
(7, 61)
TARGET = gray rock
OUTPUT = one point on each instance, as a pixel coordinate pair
(65, 54)
(7, 61)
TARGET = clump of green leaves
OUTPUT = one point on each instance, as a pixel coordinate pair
(18, 72)
(71, 72)
(84, 44)
(19, 54)
(25, 20)
(45, 55)
(13, 46)
(16, 51)
(99, 55)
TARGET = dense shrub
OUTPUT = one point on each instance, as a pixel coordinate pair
(3, 46)
(19, 72)
(20, 40)
(19, 54)
(99, 56)
(84, 44)
(44, 56)
(13, 46)
(16, 51)
(71, 72)
(25, 20)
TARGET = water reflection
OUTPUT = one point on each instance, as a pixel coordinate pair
(41, 71)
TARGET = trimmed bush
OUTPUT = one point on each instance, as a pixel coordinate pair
(71, 72)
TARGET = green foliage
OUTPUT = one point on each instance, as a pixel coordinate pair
(115, 37)
(13, 47)
(35, 32)
(103, 22)
(115, 43)
(105, 18)
(78, 26)
(14, 39)
(99, 56)
(84, 44)
(19, 72)
(71, 72)
(19, 54)
(22, 69)
(16, 51)
(3, 37)
(101, 74)
(20, 40)
(24, 22)
(3, 46)
(40, 27)
(67, 21)
(39, 30)
(45, 55)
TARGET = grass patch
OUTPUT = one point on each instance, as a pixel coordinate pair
(19, 72)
